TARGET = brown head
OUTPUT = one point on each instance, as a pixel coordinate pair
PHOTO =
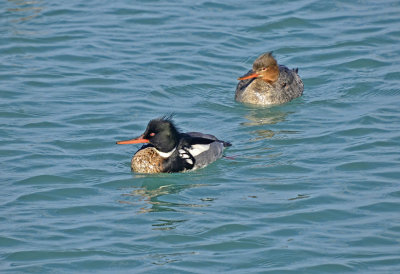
(264, 67)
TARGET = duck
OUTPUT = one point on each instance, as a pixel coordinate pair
(268, 83)
(167, 150)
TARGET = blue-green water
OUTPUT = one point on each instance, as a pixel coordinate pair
(312, 186)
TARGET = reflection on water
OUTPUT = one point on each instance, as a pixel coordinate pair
(299, 196)
(162, 259)
(167, 224)
(267, 134)
(152, 194)
(265, 116)
(26, 9)
(263, 134)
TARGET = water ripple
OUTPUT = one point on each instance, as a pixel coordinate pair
(310, 186)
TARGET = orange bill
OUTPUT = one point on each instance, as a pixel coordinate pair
(253, 75)
(138, 140)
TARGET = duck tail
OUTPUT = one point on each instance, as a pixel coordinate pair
(226, 144)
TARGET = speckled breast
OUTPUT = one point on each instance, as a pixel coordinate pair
(147, 160)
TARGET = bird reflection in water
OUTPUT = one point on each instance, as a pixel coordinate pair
(26, 10)
(152, 194)
(266, 116)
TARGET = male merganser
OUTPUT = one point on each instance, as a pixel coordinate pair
(170, 151)
(269, 84)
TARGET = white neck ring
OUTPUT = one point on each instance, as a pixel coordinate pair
(166, 154)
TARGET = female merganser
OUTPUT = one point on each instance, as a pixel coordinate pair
(269, 84)
(170, 151)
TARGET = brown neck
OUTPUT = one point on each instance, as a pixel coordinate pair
(271, 75)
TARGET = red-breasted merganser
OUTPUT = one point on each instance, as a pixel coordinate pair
(269, 83)
(170, 151)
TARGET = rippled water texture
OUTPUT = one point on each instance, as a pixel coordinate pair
(311, 186)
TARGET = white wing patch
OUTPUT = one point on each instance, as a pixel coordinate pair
(185, 155)
(198, 149)
(193, 151)
(189, 161)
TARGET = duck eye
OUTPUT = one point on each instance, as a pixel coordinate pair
(152, 134)
(264, 68)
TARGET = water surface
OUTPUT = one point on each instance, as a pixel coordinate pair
(311, 186)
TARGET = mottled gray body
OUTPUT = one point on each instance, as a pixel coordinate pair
(259, 92)
(214, 152)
